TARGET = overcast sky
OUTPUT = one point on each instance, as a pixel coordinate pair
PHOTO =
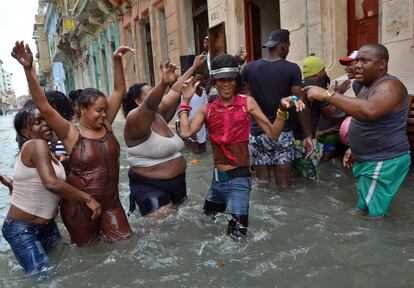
(16, 23)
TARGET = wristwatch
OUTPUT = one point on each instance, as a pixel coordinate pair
(328, 95)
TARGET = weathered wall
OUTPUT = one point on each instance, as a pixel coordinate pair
(397, 34)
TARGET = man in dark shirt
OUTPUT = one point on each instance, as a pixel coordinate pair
(269, 80)
(314, 74)
(377, 133)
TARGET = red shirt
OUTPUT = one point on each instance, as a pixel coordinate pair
(229, 125)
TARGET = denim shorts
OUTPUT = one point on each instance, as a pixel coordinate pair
(233, 193)
(29, 243)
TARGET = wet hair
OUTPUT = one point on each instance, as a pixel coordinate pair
(60, 103)
(74, 95)
(381, 52)
(87, 97)
(23, 118)
(134, 92)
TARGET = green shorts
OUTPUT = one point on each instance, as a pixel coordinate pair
(378, 182)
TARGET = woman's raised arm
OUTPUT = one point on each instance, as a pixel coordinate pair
(57, 123)
(170, 102)
(115, 100)
(139, 120)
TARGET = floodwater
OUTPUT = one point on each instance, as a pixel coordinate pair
(309, 235)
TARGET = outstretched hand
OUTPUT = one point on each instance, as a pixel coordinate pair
(241, 55)
(315, 93)
(188, 90)
(290, 101)
(199, 59)
(168, 72)
(23, 54)
(122, 50)
(341, 88)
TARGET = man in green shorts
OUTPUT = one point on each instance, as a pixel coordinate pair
(379, 150)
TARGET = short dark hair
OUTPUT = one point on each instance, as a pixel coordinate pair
(60, 103)
(134, 92)
(381, 52)
(74, 95)
(22, 119)
(87, 97)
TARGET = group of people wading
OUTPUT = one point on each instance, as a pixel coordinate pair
(87, 192)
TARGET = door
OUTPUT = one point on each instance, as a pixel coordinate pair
(148, 41)
(362, 23)
(252, 29)
(200, 24)
(217, 39)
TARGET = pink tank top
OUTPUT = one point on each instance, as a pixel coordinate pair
(30, 195)
(229, 124)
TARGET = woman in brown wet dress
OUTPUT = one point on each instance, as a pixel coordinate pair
(93, 153)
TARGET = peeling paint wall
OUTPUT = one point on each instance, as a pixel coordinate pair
(396, 33)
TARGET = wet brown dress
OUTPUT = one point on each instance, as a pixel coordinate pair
(94, 169)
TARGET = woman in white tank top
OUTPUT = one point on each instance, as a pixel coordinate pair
(38, 185)
(157, 173)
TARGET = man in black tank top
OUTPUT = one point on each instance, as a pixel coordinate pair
(379, 150)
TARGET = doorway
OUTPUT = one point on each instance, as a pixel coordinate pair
(200, 24)
(362, 23)
(261, 18)
(148, 47)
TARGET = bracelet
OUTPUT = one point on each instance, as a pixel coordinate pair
(185, 106)
(328, 95)
(183, 111)
(284, 115)
(282, 108)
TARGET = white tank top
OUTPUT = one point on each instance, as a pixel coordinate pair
(155, 150)
(30, 195)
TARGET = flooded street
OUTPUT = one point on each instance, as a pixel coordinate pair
(309, 235)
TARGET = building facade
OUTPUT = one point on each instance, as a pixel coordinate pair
(7, 96)
(88, 32)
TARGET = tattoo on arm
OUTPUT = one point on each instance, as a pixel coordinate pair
(384, 91)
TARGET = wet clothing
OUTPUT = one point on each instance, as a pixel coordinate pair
(30, 242)
(380, 139)
(94, 169)
(29, 193)
(233, 194)
(151, 194)
(307, 167)
(379, 181)
(155, 150)
(228, 129)
(265, 151)
(269, 82)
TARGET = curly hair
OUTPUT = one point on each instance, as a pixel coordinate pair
(134, 92)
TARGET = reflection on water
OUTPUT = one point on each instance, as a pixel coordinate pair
(309, 235)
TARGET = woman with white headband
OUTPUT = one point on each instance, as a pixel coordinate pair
(228, 123)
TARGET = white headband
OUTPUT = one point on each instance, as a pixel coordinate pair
(225, 70)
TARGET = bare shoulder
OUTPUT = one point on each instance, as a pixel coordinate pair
(39, 145)
(390, 87)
